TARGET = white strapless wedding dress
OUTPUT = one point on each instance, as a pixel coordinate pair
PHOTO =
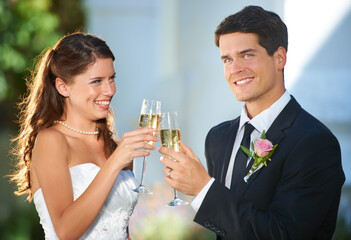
(112, 221)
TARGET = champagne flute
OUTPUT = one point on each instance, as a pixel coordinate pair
(149, 117)
(170, 138)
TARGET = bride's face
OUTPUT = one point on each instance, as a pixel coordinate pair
(91, 92)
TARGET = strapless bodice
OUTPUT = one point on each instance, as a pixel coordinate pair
(113, 218)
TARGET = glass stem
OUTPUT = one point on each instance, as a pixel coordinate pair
(143, 171)
(175, 193)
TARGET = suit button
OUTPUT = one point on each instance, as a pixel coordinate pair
(207, 224)
(222, 233)
(212, 227)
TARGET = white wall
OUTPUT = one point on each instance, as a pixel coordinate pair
(318, 72)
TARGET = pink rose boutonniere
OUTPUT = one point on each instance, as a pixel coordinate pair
(263, 150)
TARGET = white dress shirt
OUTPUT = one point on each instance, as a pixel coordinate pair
(261, 122)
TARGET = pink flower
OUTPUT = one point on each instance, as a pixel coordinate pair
(262, 147)
(263, 150)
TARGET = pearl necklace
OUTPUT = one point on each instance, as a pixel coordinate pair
(76, 130)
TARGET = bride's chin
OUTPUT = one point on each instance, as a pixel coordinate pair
(100, 118)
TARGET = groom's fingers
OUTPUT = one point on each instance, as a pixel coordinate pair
(171, 153)
(171, 171)
(181, 157)
(170, 163)
(174, 178)
(187, 151)
(170, 181)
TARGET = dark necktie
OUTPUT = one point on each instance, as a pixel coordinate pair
(241, 158)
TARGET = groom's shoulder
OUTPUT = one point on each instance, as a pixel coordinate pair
(303, 119)
(311, 122)
(307, 123)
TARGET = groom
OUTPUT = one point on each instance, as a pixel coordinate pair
(296, 196)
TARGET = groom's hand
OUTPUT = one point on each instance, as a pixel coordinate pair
(187, 174)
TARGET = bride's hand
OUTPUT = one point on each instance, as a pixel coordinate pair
(134, 144)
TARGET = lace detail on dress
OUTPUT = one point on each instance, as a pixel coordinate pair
(113, 218)
(106, 228)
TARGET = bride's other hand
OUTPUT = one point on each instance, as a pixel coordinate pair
(134, 144)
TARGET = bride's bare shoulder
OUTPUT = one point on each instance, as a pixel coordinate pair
(50, 143)
(50, 136)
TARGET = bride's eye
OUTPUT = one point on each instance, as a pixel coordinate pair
(95, 81)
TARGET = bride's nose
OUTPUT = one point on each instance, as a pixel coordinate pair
(109, 88)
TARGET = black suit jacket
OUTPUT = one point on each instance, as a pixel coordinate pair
(296, 196)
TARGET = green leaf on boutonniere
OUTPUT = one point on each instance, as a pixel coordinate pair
(247, 151)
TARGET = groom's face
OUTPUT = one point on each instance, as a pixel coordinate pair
(252, 75)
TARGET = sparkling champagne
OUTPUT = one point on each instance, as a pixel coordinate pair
(170, 138)
(150, 121)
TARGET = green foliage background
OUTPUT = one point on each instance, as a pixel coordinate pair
(27, 27)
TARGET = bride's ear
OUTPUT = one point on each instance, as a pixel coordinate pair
(62, 87)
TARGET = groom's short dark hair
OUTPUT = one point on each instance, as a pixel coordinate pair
(271, 30)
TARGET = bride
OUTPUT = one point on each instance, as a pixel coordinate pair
(78, 176)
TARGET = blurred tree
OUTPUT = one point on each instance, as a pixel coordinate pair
(72, 20)
(27, 27)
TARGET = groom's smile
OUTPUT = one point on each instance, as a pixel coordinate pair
(243, 82)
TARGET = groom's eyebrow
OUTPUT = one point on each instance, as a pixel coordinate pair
(247, 50)
(224, 57)
(240, 52)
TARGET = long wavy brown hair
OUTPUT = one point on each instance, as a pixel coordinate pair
(72, 55)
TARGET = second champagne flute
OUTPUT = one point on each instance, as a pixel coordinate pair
(170, 138)
(149, 117)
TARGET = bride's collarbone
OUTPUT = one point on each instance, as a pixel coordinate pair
(86, 152)
(85, 144)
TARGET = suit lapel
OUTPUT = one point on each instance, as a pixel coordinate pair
(275, 134)
(229, 141)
